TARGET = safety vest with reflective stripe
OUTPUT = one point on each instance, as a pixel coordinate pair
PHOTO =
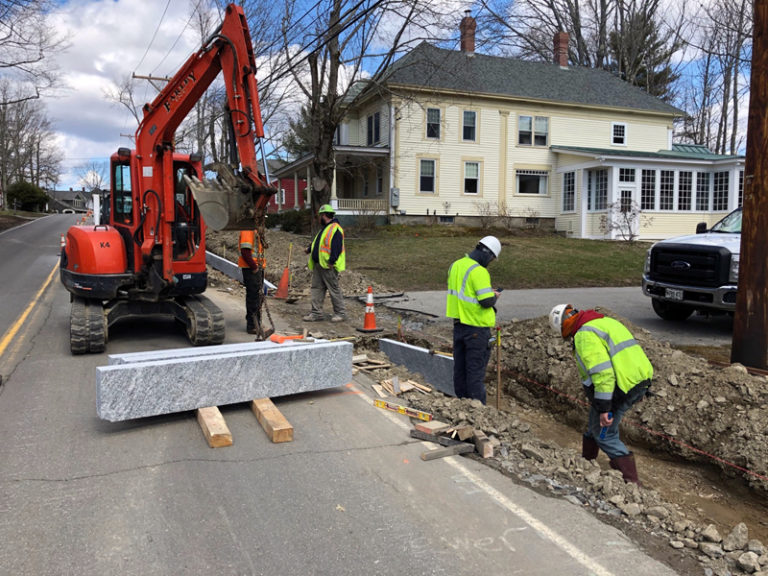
(324, 253)
(609, 356)
(247, 240)
(468, 283)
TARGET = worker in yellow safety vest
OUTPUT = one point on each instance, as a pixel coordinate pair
(252, 263)
(327, 258)
(470, 302)
(615, 373)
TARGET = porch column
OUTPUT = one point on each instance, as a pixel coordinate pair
(334, 199)
(503, 143)
(296, 191)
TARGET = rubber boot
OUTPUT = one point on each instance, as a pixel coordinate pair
(626, 465)
(589, 448)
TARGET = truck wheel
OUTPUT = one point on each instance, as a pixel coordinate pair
(670, 311)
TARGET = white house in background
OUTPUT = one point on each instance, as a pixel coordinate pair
(453, 136)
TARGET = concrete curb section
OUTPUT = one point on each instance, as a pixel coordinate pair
(137, 389)
(437, 370)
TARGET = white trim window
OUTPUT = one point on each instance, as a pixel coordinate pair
(627, 175)
(648, 190)
(374, 129)
(532, 182)
(532, 130)
(469, 126)
(619, 133)
(433, 123)
(569, 192)
(720, 192)
(685, 190)
(597, 190)
(427, 176)
(471, 178)
(666, 189)
(703, 192)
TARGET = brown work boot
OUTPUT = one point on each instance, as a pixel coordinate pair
(626, 465)
(589, 447)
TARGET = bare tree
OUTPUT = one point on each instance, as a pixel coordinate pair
(335, 44)
(26, 43)
(93, 175)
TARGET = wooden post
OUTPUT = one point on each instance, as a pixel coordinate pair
(750, 325)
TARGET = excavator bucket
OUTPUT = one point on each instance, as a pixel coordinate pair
(228, 202)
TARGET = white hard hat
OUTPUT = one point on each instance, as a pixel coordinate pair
(493, 244)
(558, 314)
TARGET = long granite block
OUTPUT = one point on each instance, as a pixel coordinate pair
(188, 352)
(437, 370)
(151, 388)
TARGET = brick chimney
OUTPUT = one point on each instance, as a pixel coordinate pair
(467, 28)
(561, 49)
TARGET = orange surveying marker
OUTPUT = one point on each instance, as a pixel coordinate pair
(369, 323)
(285, 280)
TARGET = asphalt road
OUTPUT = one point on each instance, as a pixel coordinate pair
(630, 303)
(350, 495)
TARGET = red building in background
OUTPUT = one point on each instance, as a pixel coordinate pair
(287, 188)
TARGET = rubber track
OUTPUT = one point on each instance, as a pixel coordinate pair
(208, 320)
(87, 327)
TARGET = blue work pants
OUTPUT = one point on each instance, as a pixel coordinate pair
(470, 360)
(611, 444)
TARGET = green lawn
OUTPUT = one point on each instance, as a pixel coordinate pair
(417, 258)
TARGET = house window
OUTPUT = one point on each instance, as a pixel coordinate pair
(379, 180)
(471, 177)
(374, 129)
(720, 191)
(627, 175)
(121, 194)
(619, 134)
(648, 190)
(427, 176)
(597, 190)
(702, 191)
(533, 182)
(684, 190)
(625, 202)
(433, 123)
(533, 130)
(667, 190)
(741, 187)
(470, 125)
(569, 192)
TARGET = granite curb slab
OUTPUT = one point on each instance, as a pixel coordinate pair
(437, 370)
(171, 353)
(155, 387)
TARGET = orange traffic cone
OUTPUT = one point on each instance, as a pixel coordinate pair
(285, 279)
(369, 323)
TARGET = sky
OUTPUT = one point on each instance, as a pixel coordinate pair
(108, 41)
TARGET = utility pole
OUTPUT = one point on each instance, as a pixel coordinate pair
(750, 326)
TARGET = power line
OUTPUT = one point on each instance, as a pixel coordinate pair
(157, 29)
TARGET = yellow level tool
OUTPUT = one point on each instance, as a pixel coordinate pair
(413, 413)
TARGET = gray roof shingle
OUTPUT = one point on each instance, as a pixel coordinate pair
(428, 66)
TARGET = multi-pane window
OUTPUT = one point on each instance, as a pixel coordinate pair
(702, 191)
(684, 190)
(471, 177)
(741, 187)
(469, 129)
(619, 134)
(648, 190)
(597, 190)
(533, 130)
(720, 191)
(626, 175)
(374, 129)
(533, 182)
(667, 190)
(625, 201)
(427, 176)
(433, 123)
(569, 192)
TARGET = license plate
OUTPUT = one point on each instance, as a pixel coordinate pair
(673, 294)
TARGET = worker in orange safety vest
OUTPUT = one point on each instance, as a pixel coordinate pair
(252, 263)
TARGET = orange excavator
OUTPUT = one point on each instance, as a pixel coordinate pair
(149, 255)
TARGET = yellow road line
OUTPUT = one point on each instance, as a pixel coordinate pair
(17, 325)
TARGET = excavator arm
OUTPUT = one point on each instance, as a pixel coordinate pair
(237, 199)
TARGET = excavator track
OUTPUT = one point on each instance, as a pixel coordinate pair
(205, 321)
(87, 327)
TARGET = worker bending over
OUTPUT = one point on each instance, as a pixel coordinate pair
(616, 374)
(470, 303)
